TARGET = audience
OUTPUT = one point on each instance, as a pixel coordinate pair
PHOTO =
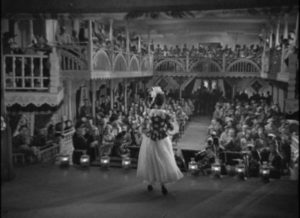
(255, 126)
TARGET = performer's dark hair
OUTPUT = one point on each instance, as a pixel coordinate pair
(159, 99)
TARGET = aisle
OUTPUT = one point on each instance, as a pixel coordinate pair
(196, 133)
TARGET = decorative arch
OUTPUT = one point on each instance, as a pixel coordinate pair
(134, 64)
(243, 66)
(169, 65)
(101, 61)
(120, 63)
(205, 66)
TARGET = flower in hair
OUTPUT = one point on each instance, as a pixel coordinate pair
(155, 90)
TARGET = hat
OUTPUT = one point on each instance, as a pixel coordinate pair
(272, 135)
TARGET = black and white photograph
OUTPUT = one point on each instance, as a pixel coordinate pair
(149, 108)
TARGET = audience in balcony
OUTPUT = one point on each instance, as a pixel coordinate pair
(63, 37)
(216, 52)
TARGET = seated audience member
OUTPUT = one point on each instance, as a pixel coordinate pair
(122, 141)
(83, 141)
(22, 144)
(228, 140)
(86, 109)
(110, 132)
(40, 138)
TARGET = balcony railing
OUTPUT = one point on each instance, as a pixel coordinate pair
(73, 57)
(26, 72)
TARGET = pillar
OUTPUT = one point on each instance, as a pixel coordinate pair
(7, 171)
(292, 69)
(139, 44)
(93, 85)
(76, 25)
(277, 33)
(271, 38)
(127, 39)
(111, 94)
(285, 30)
(297, 30)
(90, 45)
(111, 21)
(125, 95)
(50, 29)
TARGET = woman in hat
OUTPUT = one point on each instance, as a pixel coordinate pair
(156, 163)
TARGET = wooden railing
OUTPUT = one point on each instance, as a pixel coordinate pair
(197, 65)
(73, 57)
(26, 72)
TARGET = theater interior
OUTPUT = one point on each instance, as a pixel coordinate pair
(75, 81)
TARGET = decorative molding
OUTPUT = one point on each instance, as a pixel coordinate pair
(119, 74)
(35, 98)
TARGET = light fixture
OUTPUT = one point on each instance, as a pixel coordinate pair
(193, 166)
(126, 162)
(216, 169)
(104, 161)
(265, 172)
(64, 161)
(240, 170)
(85, 160)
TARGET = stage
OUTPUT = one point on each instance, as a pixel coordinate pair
(46, 191)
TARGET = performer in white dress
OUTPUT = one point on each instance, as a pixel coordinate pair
(156, 163)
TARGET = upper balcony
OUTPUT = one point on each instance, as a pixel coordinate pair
(218, 64)
(105, 62)
(32, 79)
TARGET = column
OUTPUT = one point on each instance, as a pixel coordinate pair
(76, 26)
(292, 69)
(69, 99)
(111, 94)
(7, 171)
(277, 33)
(90, 45)
(149, 43)
(271, 38)
(297, 30)
(125, 95)
(93, 98)
(50, 29)
(127, 39)
(285, 30)
(111, 21)
(139, 44)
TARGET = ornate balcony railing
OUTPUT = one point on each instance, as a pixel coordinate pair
(73, 57)
(220, 65)
(32, 79)
(26, 72)
(106, 62)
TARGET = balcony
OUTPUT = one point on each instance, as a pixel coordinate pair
(208, 66)
(106, 63)
(31, 79)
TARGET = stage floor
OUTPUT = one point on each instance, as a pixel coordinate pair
(46, 191)
(195, 135)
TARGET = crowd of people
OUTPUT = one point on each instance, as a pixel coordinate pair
(216, 52)
(255, 127)
(118, 131)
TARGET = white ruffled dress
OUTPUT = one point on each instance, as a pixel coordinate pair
(156, 162)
